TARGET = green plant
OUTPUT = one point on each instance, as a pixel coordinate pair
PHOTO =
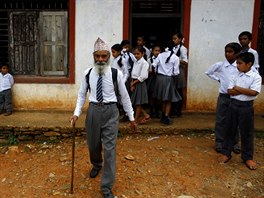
(12, 140)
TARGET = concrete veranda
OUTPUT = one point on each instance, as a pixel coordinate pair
(190, 121)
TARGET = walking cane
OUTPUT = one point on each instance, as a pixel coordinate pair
(73, 151)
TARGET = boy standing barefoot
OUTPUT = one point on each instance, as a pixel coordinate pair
(243, 89)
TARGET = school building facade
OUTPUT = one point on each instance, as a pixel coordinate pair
(49, 44)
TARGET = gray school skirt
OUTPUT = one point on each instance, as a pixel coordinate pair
(151, 81)
(165, 89)
(180, 80)
(140, 94)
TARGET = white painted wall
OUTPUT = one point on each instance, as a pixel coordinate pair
(214, 23)
(94, 18)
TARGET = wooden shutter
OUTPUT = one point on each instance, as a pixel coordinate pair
(24, 42)
(53, 43)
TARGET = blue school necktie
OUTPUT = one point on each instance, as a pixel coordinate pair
(99, 89)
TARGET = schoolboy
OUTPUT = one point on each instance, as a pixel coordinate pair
(6, 83)
(222, 72)
(244, 40)
(243, 90)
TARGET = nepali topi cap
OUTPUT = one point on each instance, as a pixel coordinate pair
(100, 45)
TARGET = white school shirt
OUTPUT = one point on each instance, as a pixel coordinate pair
(183, 50)
(250, 80)
(6, 81)
(150, 64)
(222, 72)
(255, 67)
(108, 91)
(148, 52)
(168, 69)
(123, 69)
(256, 62)
(140, 70)
(126, 58)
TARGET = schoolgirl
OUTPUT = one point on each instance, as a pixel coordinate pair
(127, 55)
(166, 67)
(138, 85)
(181, 51)
(118, 62)
(153, 105)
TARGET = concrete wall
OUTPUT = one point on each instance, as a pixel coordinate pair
(214, 24)
(94, 18)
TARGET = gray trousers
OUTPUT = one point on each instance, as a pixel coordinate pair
(102, 129)
(240, 114)
(6, 100)
(223, 103)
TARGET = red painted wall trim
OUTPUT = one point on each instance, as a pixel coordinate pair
(60, 79)
(44, 80)
(126, 13)
(255, 24)
(72, 41)
(186, 34)
(186, 22)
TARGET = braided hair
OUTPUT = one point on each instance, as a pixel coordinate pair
(180, 36)
(170, 47)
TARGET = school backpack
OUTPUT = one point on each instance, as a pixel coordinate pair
(114, 78)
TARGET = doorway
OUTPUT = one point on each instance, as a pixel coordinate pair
(156, 20)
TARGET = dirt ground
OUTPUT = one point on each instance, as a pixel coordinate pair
(147, 166)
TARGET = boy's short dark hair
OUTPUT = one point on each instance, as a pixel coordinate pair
(245, 33)
(4, 64)
(246, 57)
(235, 46)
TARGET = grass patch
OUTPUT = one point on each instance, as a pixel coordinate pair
(12, 140)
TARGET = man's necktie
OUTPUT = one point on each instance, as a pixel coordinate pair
(99, 89)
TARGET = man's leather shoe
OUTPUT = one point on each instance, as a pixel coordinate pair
(94, 172)
(109, 195)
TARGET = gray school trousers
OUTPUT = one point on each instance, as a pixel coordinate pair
(240, 114)
(102, 129)
(6, 100)
(223, 103)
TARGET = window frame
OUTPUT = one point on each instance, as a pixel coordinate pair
(70, 79)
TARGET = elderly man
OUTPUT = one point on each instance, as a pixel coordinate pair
(102, 117)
